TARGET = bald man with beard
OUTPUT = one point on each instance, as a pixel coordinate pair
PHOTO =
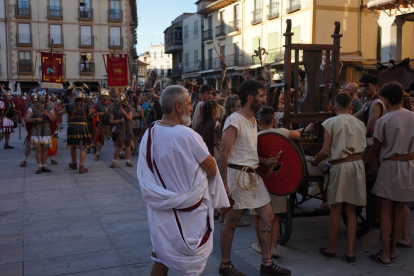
(352, 89)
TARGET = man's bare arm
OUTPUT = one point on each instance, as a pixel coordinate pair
(372, 154)
(323, 154)
(209, 165)
(373, 117)
(227, 140)
(359, 114)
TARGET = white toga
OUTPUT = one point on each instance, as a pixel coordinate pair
(182, 240)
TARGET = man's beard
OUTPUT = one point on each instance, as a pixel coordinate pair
(256, 106)
(185, 120)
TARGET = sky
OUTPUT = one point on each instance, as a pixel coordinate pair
(155, 16)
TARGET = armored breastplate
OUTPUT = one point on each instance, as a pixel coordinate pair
(107, 110)
(37, 112)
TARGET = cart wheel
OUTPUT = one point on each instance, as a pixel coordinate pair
(365, 216)
(285, 221)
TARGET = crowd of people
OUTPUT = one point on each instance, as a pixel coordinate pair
(197, 161)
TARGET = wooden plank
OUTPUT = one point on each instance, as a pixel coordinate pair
(314, 47)
(327, 79)
(296, 82)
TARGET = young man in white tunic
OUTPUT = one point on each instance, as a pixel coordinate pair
(239, 157)
(344, 146)
(394, 145)
(181, 185)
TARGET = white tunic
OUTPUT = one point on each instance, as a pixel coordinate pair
(182, 240)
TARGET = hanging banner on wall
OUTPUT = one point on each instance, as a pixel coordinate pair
(52, 70)
(117, 70)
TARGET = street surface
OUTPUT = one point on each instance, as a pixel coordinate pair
(64, 223)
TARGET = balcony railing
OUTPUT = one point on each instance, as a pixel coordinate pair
(221, 31)
(87, 67)
(54, 12)
(86, 41)
(23, 12)
(208, 35)
(24, 67)
(273, 10)
(256, 16)
(115, 15)
(115, 42)
(294, 5)
(234, 26)
(85, 15)
(192, 66)
(55, 40)
(176, 71)
(173, 43)
(24, 40)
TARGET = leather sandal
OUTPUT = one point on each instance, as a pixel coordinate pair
(39, 171)
(82, 169)
(351, 260)
(376, 258)
(113, 165)
(229, 270)
(45, 169)
(53, 162)
(73, 166)
(96, 157)
(129, 164)
(273, 269)
(331, 256)
(23, 164)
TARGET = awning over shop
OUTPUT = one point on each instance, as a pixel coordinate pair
(388, 4)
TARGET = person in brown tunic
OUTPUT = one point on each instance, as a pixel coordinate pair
(209, 125)
(121, 118)
(394, 145)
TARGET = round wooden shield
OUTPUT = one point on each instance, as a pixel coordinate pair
(287, 177)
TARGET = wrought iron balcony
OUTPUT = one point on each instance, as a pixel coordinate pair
(115, 42)
(54, 12)
(273, 10)
(221, 31)
(173, 42)
(256, 16)
(87, 67)
(294, 5)
(208, 35)
(234, 26)
(115, 15)
(85, 15)
(86, 41)
(24, 67)
(24, 40)
(55, 40)
(24, 12)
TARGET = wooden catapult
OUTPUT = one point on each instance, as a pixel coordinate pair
(321, 88)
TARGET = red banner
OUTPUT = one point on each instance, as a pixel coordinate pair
(117, 70)
(52, 70)
(53, 150)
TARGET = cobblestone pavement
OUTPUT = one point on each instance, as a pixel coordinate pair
(64, 223)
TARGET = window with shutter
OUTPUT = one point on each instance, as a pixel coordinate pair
(273, 49)
(295, 38)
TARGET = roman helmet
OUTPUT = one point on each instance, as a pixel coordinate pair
(76, 85)
(42, 97)
(7, 95)
(34, 97)
(105, 93)
(79, 93)
(121, 99)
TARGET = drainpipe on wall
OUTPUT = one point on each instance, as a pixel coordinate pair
(361, 6)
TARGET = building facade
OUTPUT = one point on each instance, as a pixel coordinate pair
(173, 37)
(160, 62)
(84, 30)
(241, 27)
(192, 47)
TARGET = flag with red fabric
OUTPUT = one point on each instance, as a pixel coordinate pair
(117, 70)
(52, 70)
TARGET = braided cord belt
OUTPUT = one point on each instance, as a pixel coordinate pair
(251, 178)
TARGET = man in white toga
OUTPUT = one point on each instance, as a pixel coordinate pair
(181, 185)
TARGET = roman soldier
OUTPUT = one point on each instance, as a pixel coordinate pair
(78, 136)
(17, 100)
(58, 110)
(33, 99)
(91, 126)
(103, 109)
(6, 118)
(52, 151)
(41, 114)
